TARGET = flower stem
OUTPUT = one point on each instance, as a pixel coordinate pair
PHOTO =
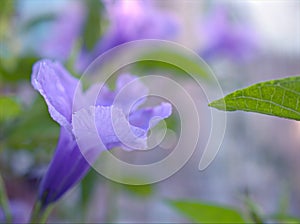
(4, 202)
(39, 214)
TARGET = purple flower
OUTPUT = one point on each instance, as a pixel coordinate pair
(226, 38)
(115, 118)
(54, 38)
(64, 32)
(19, 212)
(131, 20)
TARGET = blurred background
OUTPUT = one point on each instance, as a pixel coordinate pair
(243, 42)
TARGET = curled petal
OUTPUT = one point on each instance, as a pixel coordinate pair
(128, 95)
(103, 128)
(86, 133)
(148, 117)
(57, 87)
(115, 130)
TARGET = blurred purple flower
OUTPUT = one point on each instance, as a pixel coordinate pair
(56, 25)
(117, 119)
(223, 37)
(19, 212)
(65, 31)
(131, 20)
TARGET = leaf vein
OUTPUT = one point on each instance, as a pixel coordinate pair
(268, 101)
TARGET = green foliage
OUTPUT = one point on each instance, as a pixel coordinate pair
(14, 70)
(133, 188)
(139, 190)
(87, 186)
(152, 66)
(32, 23)
(35, 129)
(6, 11)
(206, 213)
(282, 215)
(279, 98)
(285, 219)
(167, 60)
(92, 29)
(6, 8)
(9, 108)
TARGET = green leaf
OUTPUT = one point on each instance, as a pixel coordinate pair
(206, 213)
(279, 98)
(9, 108)
(92, 29)
(181, 62)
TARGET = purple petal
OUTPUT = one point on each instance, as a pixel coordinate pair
(97, 94)
(57, 87)
(67, 167)
(86, 133)
(103, 128)
(148, 117)
(130, 93)
(115, 130)
(105, 96)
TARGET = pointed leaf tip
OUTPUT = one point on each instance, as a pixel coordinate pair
(279, 98)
